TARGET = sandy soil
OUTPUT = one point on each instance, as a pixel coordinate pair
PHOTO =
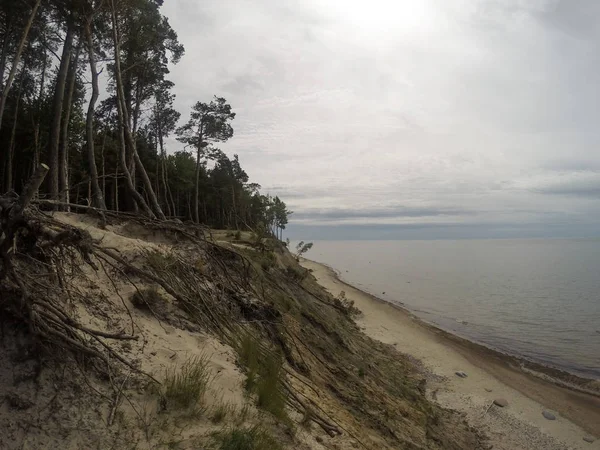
(518, 426)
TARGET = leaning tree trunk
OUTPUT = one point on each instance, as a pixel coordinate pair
(123, 120)
(97, 196)
(15, 65)
(63, 148)
(126, 128)
(163, 168)
(57, 107)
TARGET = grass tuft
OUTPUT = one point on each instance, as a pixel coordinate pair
(263, 376)
(269, 387)
(185, 388)
(255, 438)
(160, 261)
(221, 411)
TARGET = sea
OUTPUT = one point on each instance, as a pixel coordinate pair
(537, 299)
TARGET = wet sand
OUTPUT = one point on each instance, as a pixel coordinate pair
(490, 375)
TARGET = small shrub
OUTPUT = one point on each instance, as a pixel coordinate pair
(238, 235)
(361, 372)
(185, 388)
(267, 261)
(148, 298)
(255, 438)
(347, 306)
(296, 274)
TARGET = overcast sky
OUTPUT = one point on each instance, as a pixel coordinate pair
(407, 118)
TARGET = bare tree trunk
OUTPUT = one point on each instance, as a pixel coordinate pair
(3, 55)
(147, 185)
(13, 70)
(63, 148)
(116, 205)
(139, 200)
(124, 119)
(196, 216)
(97, 195)
(157, 175)
(235, 219)
(166, 173)
(103, 166)
(189, 204)
(13, 133)
(163, 170)
(38, 120)
(57, 107)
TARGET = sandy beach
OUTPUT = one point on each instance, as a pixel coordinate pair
(489, 376)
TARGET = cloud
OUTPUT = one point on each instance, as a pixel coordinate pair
(477, 113)
(572, 184)
(370, 214)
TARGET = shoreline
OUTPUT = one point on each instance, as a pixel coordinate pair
(530, 388)
(545, 372)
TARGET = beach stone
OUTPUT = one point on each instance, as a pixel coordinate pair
(589, 439)
(488, 390)
(461, 374)
(548, 415)
(501, 402)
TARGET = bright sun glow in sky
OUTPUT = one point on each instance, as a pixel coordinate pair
(379, 16)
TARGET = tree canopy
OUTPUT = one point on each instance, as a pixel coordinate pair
(54, 57)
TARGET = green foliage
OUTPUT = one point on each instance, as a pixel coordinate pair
(346, 305)
(185, 387)
(255, 438)
(269, 386)
(302, 248)
(148, 46)
(264, 376)
(249, 353)
(267, 261)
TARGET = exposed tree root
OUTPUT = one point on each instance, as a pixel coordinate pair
(39, 258)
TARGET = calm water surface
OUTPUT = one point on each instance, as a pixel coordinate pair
(539, 299)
